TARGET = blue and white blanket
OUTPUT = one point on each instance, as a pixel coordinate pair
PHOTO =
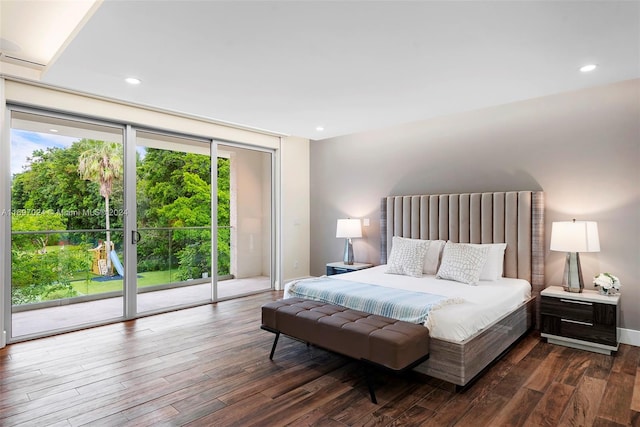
(397, 304)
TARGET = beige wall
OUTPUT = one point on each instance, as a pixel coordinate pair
(295, 207)
(251, 195)
(581, 148)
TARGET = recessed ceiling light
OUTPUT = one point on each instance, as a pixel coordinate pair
(319, 128)
(132, 80)
(588, 67)
(53, 130)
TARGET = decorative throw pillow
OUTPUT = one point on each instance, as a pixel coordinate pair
(493, 268)
(407, 256)
(462, 262)
(432, 260)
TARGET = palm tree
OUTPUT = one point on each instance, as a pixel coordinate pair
(102, 164)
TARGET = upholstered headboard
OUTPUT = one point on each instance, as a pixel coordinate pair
(514, 217)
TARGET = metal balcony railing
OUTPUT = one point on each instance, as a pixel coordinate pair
(73, 265)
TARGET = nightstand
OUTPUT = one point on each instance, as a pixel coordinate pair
(340, 267)
(585, 320)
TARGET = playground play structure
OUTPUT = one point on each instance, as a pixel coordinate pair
(101, 266)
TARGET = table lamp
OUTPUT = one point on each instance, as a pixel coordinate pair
(574, 237)
(348, 229)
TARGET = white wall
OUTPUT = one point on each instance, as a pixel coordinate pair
(581, 148)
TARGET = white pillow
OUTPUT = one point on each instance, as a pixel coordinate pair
(462, 262)
(432, 260)
(493, 268)
(407, 256)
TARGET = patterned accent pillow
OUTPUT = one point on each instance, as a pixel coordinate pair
(494, 266)
(407, 256)
(462, 263)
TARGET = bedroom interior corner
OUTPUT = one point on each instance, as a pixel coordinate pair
(358, 110)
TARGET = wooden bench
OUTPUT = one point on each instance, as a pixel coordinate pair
(374, 340)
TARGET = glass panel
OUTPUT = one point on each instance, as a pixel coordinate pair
(66, 211)
(173, 194)
(244, 221)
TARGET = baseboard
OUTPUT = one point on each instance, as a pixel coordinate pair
(629, 336)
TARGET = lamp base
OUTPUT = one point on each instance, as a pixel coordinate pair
(348, 252)
(572, 280)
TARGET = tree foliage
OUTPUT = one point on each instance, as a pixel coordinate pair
(43, 276)
(72, 184)
(40, 221)
(51, 182)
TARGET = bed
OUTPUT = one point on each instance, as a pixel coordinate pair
(474, 323)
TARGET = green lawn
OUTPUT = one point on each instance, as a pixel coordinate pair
(83, 284)
(150, 278)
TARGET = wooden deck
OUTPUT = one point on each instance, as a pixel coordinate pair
(209, 366)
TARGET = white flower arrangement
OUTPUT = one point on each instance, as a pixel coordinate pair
(607, 282)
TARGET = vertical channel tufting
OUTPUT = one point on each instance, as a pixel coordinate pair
(454, 218)
(383, 231)
(443, 217)
(415, 217)
(406, 216)
(511, 234)
(475, 234)
(424, 217)
(464, 234)
(486, 218)
(498, 217)
(390, 223)
(397, 216)
(433, 217)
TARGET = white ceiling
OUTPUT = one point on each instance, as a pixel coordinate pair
(349, 66)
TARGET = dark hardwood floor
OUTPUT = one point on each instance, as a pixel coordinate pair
(209, 366)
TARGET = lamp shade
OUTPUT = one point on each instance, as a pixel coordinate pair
(575, 236)
(348, 228)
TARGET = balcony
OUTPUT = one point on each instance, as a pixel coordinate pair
(87, 288)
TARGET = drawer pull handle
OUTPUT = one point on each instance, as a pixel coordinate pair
(576, 322)
(575, 302)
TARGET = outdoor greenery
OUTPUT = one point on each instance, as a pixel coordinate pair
(45, 276)
(81, 188)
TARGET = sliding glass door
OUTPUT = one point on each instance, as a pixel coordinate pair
(245, 220)
(174, 222)
(111, 222)
(66, 223)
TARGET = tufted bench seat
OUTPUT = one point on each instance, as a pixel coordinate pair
(372, 339)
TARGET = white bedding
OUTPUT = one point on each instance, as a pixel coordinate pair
(483, 303)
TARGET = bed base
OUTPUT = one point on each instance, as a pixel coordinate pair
(460, 363)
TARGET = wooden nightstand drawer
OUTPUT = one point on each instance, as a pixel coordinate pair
(585, 320)
(581, 311)
(592, 333)
(585, 331)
